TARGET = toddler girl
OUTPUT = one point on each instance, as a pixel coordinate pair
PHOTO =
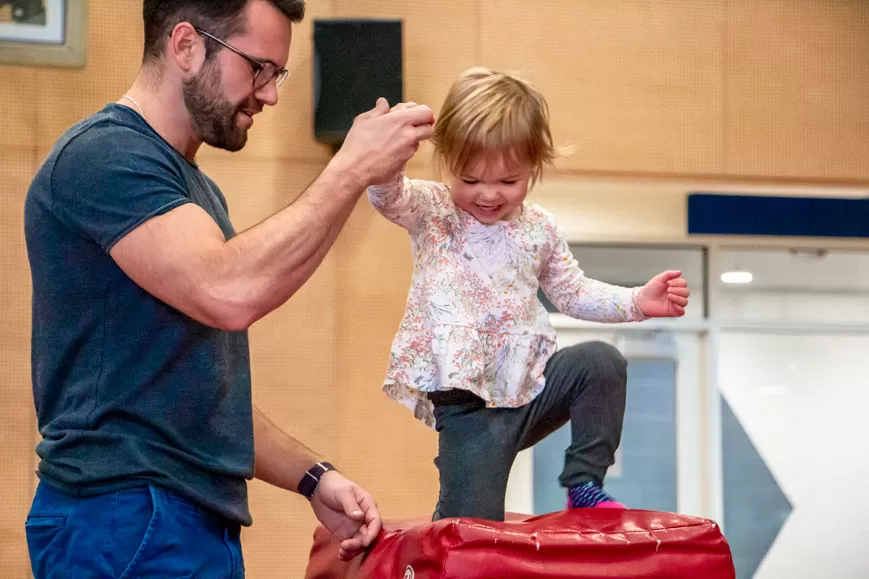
(475, 355)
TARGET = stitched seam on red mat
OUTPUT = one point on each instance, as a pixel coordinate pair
(574, 532)
(647, 532)
(453, 540)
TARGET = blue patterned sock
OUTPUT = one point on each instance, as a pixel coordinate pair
(590, 494)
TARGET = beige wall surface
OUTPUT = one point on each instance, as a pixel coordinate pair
(652, 95)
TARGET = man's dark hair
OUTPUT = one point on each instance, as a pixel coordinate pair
(222, 18)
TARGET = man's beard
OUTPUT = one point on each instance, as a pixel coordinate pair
(212, 114)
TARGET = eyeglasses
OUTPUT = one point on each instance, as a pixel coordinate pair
(264, 71)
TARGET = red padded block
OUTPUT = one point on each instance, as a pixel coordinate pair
(582, 543)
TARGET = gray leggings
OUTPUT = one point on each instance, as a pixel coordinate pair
(585, 384)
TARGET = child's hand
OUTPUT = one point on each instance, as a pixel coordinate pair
(408, 105)
(664, 296)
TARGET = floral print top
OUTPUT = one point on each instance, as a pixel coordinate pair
(473, 320)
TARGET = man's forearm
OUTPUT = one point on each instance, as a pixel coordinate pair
(280, 459)
(264, 266)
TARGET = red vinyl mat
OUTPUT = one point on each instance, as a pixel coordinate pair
(580, 544)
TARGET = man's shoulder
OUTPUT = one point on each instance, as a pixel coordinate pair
(105, 156)
(109, 136)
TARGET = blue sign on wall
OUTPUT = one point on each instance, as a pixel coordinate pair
(722, 214)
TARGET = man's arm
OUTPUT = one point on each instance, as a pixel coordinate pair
(341, 506)
(182, 258)
(280, 459)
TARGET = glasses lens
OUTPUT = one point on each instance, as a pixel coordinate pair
(264, 75)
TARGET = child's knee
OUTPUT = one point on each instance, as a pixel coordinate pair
(602, 361)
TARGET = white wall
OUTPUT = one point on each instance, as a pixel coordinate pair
(803, 401)
(794, 307)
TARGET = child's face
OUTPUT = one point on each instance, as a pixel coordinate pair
(492, 189)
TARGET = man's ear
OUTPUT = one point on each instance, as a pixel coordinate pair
(186, 47)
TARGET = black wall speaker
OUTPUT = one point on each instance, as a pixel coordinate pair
(355, 61)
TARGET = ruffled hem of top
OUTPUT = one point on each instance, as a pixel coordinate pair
(504, 369)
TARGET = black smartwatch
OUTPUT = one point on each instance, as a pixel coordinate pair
(311, 479)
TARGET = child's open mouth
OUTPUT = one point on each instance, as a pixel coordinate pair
(488, 208)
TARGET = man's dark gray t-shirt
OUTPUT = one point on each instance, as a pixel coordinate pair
(128, 390)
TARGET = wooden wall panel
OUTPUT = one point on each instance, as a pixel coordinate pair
(634, 86)
(278, 543)
(797, 89)
(382, 446)
(114, 45)
(441, 38)
(17, 419)
(17, 87)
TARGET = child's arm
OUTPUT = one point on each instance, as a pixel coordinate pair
(578, 296)
(406, 202)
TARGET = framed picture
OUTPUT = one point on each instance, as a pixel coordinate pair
(43, 32)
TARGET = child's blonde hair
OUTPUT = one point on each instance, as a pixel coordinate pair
(487, 111)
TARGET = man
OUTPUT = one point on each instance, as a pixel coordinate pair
(142, 295)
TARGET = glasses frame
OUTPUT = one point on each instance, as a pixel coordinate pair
(257, 65)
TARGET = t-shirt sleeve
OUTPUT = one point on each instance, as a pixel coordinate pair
(106, 183)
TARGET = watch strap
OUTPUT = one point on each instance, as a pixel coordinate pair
(311, 478)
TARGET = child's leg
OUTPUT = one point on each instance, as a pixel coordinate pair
(587, 384)
(476, 450)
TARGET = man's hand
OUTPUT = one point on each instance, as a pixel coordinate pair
(381, 141)
(347, 511)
